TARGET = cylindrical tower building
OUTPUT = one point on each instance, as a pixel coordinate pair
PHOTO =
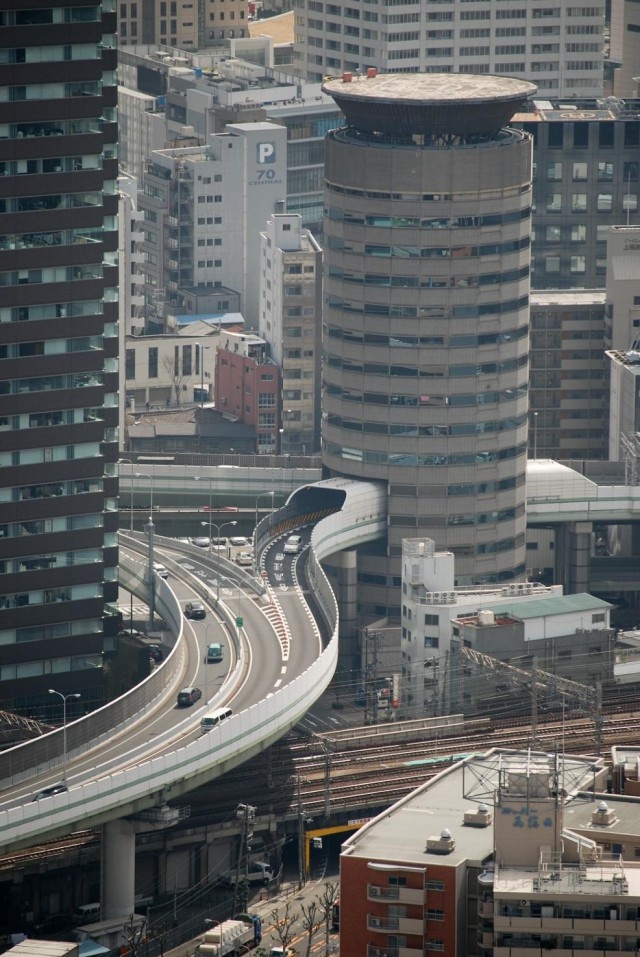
(425, 338)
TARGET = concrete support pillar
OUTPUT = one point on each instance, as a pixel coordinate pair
(573, 554)
(341, 569)
(118, 869)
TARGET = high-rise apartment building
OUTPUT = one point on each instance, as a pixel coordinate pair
(425, 327)
(178, 24)
(560, 47)
(203, 209)
(291, 322)
(625, 47)
(569, 385)
(58, 348)
(586, 173)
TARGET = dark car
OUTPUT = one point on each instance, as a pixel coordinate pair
(188, 696)
(155, 652)
(195, 609)
(50, 791)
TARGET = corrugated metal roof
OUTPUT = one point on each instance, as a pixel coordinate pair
(544, 607)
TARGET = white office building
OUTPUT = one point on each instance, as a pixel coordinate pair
(512, 622)
(204, 208)
(558, 46)
(291, 322)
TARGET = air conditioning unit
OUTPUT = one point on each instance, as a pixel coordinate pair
(437, 597)
(428, 598)
(452, 597)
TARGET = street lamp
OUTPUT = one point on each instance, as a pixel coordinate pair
(535, 436)
(271, 493)
(65, 698)
(206, 655)
(150, 531)
(198, 478)
(218, 529)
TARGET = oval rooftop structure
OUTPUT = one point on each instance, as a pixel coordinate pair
(432, 104)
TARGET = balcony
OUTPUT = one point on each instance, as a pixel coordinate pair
(485, 909)
(172, 221)
(537, 951)
(173, 243)
(401, 895)
(393, 951)
(401, 925)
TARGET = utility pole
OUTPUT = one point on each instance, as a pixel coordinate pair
(247, 814)
(598, 717)
(534, 701)
(301, 874)
(371, 675)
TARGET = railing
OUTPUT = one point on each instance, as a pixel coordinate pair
(386, 893)
(20, 762)
(173, 773)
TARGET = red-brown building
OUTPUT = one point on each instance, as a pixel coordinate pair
(491, 858)
(247, 385)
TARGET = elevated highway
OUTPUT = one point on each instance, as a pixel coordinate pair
(122, 794)
(292, 673)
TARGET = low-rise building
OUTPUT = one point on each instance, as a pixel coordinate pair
(568, 635)
(506, 854)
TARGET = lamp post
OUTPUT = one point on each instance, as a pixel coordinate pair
(206, 670)
(150, 530)
(535, 436)
(261, 495)
(198, 478)
(65, 698)
(218, 529)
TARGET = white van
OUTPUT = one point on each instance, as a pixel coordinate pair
(215, 718)
(293, 545)
(87, 913)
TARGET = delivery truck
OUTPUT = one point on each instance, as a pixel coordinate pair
(231, 936)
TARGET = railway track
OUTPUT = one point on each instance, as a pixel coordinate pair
(356, 777)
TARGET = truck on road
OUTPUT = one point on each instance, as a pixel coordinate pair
(258, 872)
(229, 937)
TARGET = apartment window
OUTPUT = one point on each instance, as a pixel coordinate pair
(578, 234)
(555, 136)
(580, 172)
(605, 134)
(578, 264)
(604, 202)
(130, 364)
(432, 619)
(554, 203)
(552, 264)
(553, 234)
(554, 172)
(153, 363)
(579, 202)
